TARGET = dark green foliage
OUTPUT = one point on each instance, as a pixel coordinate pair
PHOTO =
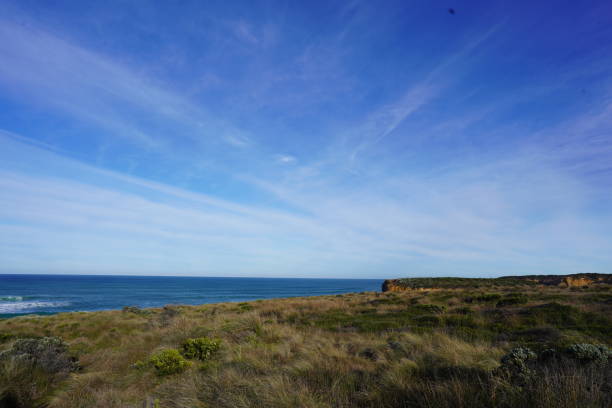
(537, 326)
(136, 310)
(598, 298)
(388, 300)
(460, 321)
(568, 317)
(502, 282)
(554, 313)
(365, 322)
(429, 308)
(441, 296)
(465, 310)
(512, 299)
(245, 307)
(369, 354)
(168, 361)
(201, 348)
(483, 298)
(537, 336)
(428, 320)
(370, 321)
(457, 283)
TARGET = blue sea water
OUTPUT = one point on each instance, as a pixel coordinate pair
(47, 294)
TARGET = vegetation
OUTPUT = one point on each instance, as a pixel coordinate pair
(168, 361)
(201, 348)
(474, 346)
(32, 367)
(504, 281)
(458, 283)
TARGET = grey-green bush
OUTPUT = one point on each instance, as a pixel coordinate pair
(589, 353)
(47, 353)
(516, 364)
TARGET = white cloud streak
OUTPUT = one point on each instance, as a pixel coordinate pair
(109, 221)
(40, 66)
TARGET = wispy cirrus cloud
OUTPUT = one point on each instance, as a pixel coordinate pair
(54, 72)
(107, 220)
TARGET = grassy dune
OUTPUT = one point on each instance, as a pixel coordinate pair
(439, 348)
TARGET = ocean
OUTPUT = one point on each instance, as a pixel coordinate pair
(48, 294)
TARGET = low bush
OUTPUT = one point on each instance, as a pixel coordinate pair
(429, 308)
(428, 321)
(136, 310)
(201, 348)
(522, 364)
(244, 307)
(589, 353)
(485, 297)
(47, 353)
(512, 299)
(168, 361)
(464, 310)
(31, 368)
(516, 365)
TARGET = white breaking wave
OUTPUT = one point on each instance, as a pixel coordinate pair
(12, 298)
(24, 307)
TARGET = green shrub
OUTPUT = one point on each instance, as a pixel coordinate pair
(512, 299)
(430, 308)
(487, 297)
(428, 321)
(517, 357)
(587, 353)
(136, 310)
(516, 365)
(201, 348)
(244, 307)
(460, 321)
(168, 361)
(139, 365)
(464, 310)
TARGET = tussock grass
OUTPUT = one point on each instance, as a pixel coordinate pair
(407, 349)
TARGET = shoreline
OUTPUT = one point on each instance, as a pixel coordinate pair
(358, 349)
(44, 314)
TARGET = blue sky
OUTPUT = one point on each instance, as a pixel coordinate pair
(349, 139)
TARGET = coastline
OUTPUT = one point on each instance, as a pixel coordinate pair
(367, 349)
(27, 294)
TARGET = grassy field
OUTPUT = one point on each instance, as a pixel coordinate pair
(439, 348)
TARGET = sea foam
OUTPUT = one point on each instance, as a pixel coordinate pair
(25, 307)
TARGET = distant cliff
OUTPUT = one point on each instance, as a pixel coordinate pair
(567, 281)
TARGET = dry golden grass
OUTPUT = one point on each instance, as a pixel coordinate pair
(355, 350)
